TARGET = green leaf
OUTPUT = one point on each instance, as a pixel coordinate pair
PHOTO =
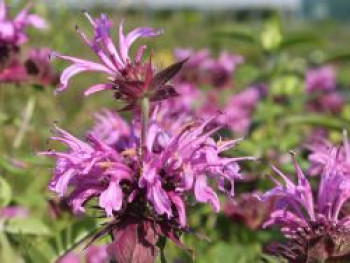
(304, 38)
(318, 120)
(5, 192)
(337, 57)
(7, 254)
(242, 36)
(73, 236)
(26, 226)
(8, 167)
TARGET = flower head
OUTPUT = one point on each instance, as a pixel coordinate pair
(93, 254)
(112, 129)
(307, 223)
(39, 68)
(201, 68)
(174, 165)
(246, 208)
(12, 31)
(320, 79)
(319, 156)
(220, 71)
(130, 79)
(12, 36)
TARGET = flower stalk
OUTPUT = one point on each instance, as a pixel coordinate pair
(145, 111)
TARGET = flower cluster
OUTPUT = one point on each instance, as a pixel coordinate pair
(316, 229)
(172, 166)
(202, 69)
(13, 69)
(154, 185)
(143, 175)
(321, 86)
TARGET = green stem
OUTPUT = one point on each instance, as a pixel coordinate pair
(27, 116)
(145, 111)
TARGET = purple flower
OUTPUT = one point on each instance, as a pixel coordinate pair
(220, 71)
(201, 68)
(39, 68)
(12, 35)
(111, 129)
(115, 62)
(175, 164)
(14, 72)
(246, 208)
(320, 79)
(319, 156)
(130, 79)
(13, 212)
(236, 113)
(327, 102)
(307, 223)
(12, 31)
(94, 169)
(240, 108)
(93, 254)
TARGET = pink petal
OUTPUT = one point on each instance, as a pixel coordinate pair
(97, 88)
(112, 198)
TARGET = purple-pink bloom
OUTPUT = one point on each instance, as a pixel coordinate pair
(113, 61)
(12, 30)
(93, 254)
(201, 68)
(240, 108)
(237, 112)
(319, 155)
(12, 36)
(38, 67)
(13, 212)
(220, 71)
(320, 79)
(14, 72)
(304, 218)
(174, 165)
(111, 128)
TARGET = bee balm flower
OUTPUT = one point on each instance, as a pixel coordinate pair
(315, 228)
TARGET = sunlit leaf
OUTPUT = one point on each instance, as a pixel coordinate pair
(271, 36)
(73, 236)
(294, 40)
(318, 120)
(26, 226)
(5, 192)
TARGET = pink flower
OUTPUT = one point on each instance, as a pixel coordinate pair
(308, 222)
(130, 79)
(12, 31)
(39, 68)
(13, 212)
(111, 129)
(319, 156)
(201, 68)
(174, 165)
(12, 35)
(220, 71)
(93, 254)
(320, 79)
